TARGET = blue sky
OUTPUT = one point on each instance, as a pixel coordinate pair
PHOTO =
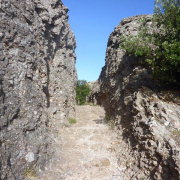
(92, 21)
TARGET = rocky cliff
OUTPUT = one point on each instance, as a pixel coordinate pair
(147, 118)
(37, 81)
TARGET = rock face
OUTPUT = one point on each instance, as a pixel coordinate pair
(94, 86)
(37, 81)
(146, 118)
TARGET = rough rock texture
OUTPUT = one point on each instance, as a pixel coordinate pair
(146, 118)
(92, 97)
(37, 81)
(91, 84)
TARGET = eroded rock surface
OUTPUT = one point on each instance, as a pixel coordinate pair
(37, 81)
(146, 118)
(93, 95)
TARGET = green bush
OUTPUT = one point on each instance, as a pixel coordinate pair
(160, 48)
(82, 91)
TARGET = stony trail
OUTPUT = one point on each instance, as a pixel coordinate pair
(86, 150)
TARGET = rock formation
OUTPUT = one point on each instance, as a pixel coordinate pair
(94, 86)
(146, 117)
(37, 81)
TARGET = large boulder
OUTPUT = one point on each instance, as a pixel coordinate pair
(146, 117)
(37, 81)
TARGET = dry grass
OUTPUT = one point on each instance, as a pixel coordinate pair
(30, 173)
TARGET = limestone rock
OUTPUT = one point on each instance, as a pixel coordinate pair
(37, 74)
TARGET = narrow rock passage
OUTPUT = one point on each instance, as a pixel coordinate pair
(86, 149)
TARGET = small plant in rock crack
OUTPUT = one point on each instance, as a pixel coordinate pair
(176, 132)
(30, 173)
(142, 178)
(72, 120)
(107, 117)
(111, 124)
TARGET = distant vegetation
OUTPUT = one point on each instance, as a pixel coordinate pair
(82, 91)
(159, 49)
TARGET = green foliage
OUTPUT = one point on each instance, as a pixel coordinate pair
(82, 90)
(159, 48)
(72, 120)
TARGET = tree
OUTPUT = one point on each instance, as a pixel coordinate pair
(159, 49)
(82, 90)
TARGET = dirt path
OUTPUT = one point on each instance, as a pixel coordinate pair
(86, 149)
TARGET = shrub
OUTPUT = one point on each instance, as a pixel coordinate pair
(159, 49)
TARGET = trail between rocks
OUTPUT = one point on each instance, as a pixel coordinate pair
(86, 149)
